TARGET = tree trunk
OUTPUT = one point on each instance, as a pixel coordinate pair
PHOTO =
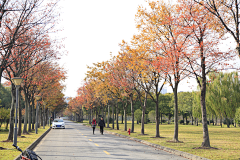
(11, 119)
(157, 116)
(186, 119)
(112, 116)
(169, 118)
(175, 136)
(206, 140)
(143, 113)
(29, 117)
(132, 113)
(26, 115)
(221, 121)
(228, 122)
(125, 117)
(108, 116)
(33, 115)
(117, 116)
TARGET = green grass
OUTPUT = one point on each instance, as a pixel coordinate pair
(23, 143)
(227, 140)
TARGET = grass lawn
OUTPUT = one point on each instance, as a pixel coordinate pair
(23, 142)
(227, 140)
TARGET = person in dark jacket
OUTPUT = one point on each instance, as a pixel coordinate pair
(94, 123)
(101, 124)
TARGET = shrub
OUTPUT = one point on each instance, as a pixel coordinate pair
(181, 121)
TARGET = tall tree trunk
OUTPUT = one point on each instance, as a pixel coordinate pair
(143, 113)
(192, 120)
(206, 140)
(175, 136)
(125, 116)
(29, 117)
(112, 116)
(108, 116)
(11, 119)
(157, 115)
(221, 121)
(117, 116)
(33, 115)
(26, 115)
(132, 112)
(169, 118)
(186, 119)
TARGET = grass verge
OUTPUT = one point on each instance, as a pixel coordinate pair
(9, 152)
(225, 139)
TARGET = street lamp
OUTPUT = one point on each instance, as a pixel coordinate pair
(44, 104)
(17, 82)
(38, 98)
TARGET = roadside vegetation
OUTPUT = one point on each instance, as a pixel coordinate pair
(8, 152)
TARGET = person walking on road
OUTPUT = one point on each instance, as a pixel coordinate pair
(94, 123)
(101, 124)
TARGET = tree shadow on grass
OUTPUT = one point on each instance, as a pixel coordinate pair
(143, 134)
(172, 141)
(207, 148)
(157, 137)
(7, 141)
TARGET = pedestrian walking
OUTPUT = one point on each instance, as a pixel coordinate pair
(101, 124)
(94, 123)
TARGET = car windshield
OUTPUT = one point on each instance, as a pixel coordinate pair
(58, 120)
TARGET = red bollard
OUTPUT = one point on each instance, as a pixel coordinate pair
(129, 130)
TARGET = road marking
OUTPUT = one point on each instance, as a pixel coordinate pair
(85, 136)
(82, 134)
(89, 139)
(79, 132)
(106, 152)
(96, 144)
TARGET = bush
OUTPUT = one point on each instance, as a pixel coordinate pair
(181, 121)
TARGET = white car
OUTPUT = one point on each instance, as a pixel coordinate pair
(58, 123)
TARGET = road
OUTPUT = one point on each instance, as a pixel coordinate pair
(78, 142)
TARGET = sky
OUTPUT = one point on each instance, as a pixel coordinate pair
(93, 29)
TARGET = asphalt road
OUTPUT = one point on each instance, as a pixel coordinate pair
(78, 142)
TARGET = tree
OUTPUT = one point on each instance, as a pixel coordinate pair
(204, 55)
(227, 14)
(170, 42)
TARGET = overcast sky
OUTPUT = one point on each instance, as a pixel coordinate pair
(93, 29)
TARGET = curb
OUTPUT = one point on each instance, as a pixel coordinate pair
(166, 149)
(34, 144)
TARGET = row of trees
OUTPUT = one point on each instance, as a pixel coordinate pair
(29, 52)
(175, 42)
